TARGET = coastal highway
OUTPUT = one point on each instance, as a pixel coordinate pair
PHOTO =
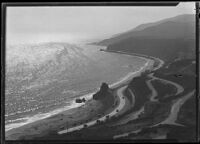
(113, 113)
(122, 99)
(125, 104)
(135, 115)
(161, 62)
(154, 93)
(171, 119)
(130, 116)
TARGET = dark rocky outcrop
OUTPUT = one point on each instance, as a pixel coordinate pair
(101, 94)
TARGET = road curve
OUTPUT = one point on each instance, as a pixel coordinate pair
(122, 100)
(174, 110)
(135, 115)
(114, 112)
(126, 104)
(179, 88)
(176, 106)
(130, 116)
(171, 119)
(153, 90)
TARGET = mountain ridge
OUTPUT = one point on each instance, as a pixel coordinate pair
(180, 18)
(169, 39)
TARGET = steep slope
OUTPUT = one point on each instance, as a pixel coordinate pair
(187, 19)
(166, 49)
(171, 39)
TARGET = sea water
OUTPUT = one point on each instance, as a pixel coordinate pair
(45, 79)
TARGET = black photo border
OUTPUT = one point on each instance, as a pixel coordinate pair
(97, 3)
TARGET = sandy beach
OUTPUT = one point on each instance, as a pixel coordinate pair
(66, 119)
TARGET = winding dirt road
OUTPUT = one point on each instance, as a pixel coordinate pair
(153, 90)
(171, 119)
(123, 101)
(179, 88)
(135, 115)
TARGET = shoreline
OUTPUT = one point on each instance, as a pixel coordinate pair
(87, 96)
(41, 116)
(124, 81)
(57, 122)
(121, 85)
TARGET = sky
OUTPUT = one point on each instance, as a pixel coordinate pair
(79, 24)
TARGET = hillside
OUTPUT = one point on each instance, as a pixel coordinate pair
(168, 39)
(166, 49)
(185, 19)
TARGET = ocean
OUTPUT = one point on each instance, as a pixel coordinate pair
(45, 79)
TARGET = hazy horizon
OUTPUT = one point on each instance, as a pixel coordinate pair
(80, 24)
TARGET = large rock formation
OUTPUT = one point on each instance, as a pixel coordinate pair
(102, 92)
